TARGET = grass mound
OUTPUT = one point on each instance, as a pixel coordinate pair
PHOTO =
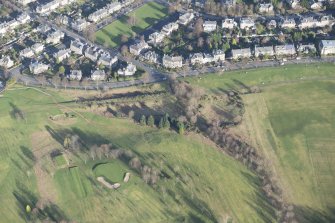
(113, 171)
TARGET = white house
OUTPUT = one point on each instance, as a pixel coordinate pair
(92, 54)
(288, 23)
(326, 20)
(27, 52)
(98, 75)
(55, 37)
(23, 18)
(107, 60)
(79, 24)
(137, 48)
(169, 28)
(6, 62)
(308, 22)
(209, 26)
(241, 53)
(186, 18)
(265, 8)
(37, 48)
(151, 56)
(306, 48)
(219, 55)
(272, 24)
(229, 24)
(264, 51)
(25, 2)
(197, 58)
(287, 49)
(327, 47)
(128, 71)
(75, 75)
(62, 54)
(247, 23)
(172, 61)
(37, 68)
(156, 37)
(77, 47)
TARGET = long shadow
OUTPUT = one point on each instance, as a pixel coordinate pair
(16, 113)
(307, 214)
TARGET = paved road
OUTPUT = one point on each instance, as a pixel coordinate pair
(160, 76)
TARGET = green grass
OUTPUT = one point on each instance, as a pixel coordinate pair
(113, 172)
(146, 16)
(72, 184)
(243, 79)
(60, 160)
(201, 184)
(292, 123)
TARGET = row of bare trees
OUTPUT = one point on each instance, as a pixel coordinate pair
(189, 97)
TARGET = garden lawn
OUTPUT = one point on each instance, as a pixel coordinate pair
(146, 16)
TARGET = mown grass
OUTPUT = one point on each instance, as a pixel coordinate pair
(60, 160)
(112, 171)
(291, 122)
(146, 16)
(244, 79)
(201, 183)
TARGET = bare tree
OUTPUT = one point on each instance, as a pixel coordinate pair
(198, 27)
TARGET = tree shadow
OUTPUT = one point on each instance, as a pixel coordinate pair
(15, 112)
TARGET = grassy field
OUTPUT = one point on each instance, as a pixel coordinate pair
(292, 122)
(146, 16)
(201, 183)
(60, 160)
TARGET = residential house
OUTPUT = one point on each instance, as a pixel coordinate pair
(107, 60)
(287, 49)
(219, 55)
(37, 48)
(241, 53)
(326, 20)
(308, 22)
(3, 28)
(128, 71)
(264, 51)
(316, 5)
(77, 47)
(62, 54)
(265, 8)
(169, 28)
(288, 23)
(151, 56)
(27, 52)
(55, 37)
(98, 75)
(186, 18)
(25, 2)
(272, 24)
(229, 2)
(79, 24)
(208, 58)
(306, 48)
(156, 38)
(38, 68)
(293, 3)
(229, 24)
(6, 62)
(105, 11)
(92, 54)
(45, 9)
(247, 23)
(327, 47)
(43, 28)
(137, 48)
(75, 75)
(209, 26)
(12, 24)
(172, 61)
(197, 58)
(23, 18)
